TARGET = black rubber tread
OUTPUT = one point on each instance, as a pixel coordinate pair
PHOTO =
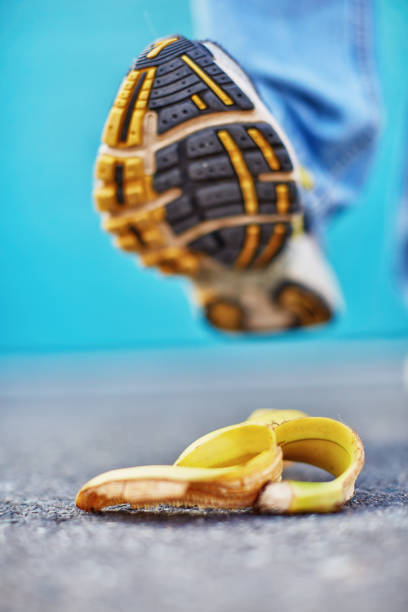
(231, 239)
(284, 159)
(220, 212)
(182, 225)
(168, 179)
(256, 162)
(202, 168)
(130, 108)
(164, 91)
(218, 167)
(265, 234)
(175, 82)
(203, 143)
(218, 194)
(120, 196)
(167, 157)
(187, 83)
(266, 192)
(206, 244)
(179, 209)
(173, 115)
(241, 136)
(182, 45)
(177, 96)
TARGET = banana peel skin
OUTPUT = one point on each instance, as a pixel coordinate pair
(324, 443)
(225, 469)
(241, 466)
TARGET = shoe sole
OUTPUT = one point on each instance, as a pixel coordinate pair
(193, 171)
(307, 307)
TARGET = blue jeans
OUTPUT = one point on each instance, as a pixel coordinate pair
(313, 64)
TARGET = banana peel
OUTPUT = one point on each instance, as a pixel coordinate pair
(241, 466)
(224, 469)
(273, 418)
(321, 442)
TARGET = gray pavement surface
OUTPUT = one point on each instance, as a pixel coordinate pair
(66, 419)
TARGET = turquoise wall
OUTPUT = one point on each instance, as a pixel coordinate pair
(63, 286)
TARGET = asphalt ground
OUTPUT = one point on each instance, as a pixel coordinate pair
(66, 419)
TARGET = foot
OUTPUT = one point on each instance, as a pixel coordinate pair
(196, 177)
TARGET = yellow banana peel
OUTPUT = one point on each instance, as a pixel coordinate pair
(324, 443)
(226, 469)
(266, 416)
(241, 466)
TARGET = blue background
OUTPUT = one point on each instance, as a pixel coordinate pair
(63, 286)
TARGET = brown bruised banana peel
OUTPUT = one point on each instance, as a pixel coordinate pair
(319, 441)
(225, 469)
(240, 466)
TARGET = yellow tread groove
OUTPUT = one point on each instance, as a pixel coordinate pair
(137, 186)
(266, 149)
(143, 220)
(160, 45)
(114, 123)
(275, 242)
(173, 260)
(208, 80)
(105, 167)
(135, 135)
(106, 164)
(198, 102)
(129, 242)
(250, 246)
(105, 197)
(112, 126)
(140, 232)
(118, 110)
(282, 204)
(248, 193)
(244, 176)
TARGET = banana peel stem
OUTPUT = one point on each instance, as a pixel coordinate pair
(322, 442)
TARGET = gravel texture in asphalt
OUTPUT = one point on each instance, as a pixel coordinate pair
(57, 431)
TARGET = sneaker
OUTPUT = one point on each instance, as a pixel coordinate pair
(196, 177)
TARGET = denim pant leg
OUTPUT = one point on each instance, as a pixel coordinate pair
(313, 64)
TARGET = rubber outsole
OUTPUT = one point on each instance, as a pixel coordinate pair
(307, 307)
(190, 173)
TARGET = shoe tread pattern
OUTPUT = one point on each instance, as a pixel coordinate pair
(217, 170)
(201, 166)
(176, 81)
